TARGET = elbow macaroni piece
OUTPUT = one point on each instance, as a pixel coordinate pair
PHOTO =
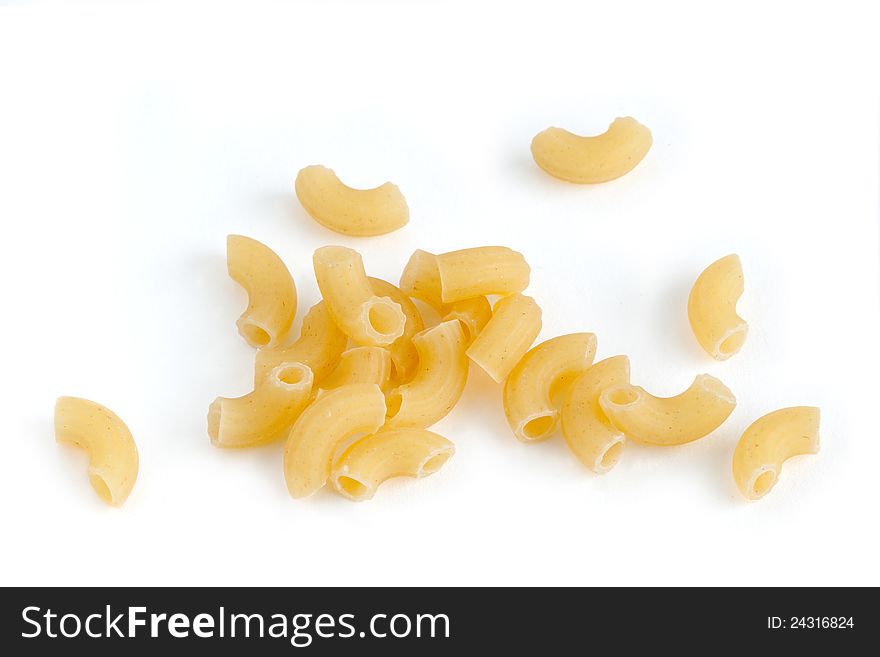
(438, 383)
(404, 357)
(768, 443)
(587, 430)
(480, 271)
(421, 279)
(113, 455)
(323, 428)
(372, 460)
(597, 159)
(712, 308)
(369, 320)
(270, 288)
(261, 416)
(319, 346)
(515, 323)
(694, 413)
(541, 376)
(358, 212)
(360, 365)
(473, 314)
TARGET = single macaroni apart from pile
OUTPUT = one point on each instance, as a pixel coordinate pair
(357, 212)
(712, 308)
(113, 456)
(366, 464)
(686, 417)
(270, 288)
(597, 159)
(540, 379)
(768, 443)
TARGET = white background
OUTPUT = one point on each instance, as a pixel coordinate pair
(135, 136)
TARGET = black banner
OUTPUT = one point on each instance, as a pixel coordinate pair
(425, 621)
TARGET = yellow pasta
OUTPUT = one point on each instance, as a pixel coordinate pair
(270, 288)
(361, 365)
(712, 308)
(366, 464)
(113, 456)
(515, 323)
(319, 346)
(368, 319)
(589, 433)
(768, 443)
(473, 314)
(694, 413)
(481, 271)
(404, 357)
(358, 212)
(421, 279)
(541, 377)
(324, 428)
(263, 415)
(438, 383)
(597, 159)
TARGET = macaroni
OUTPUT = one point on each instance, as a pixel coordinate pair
(439, 379)
(368, 319)
(374, 459)
(694, 413)
(541, 376)
(319, 346)
(515, 323)
(323, 428)
(712, 308)
(113, 456)
(768, 443)
(270, 288)
(597, 159)
(587, 430)
(360, 365)
(473, 314)
(480, 271)
(404, 357)
(261, 416)
(358, 212)
(421, 278)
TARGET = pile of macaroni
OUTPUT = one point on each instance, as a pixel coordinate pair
(354, 395)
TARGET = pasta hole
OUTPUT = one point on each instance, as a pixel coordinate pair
(622, 396)
(434, 463)
(255, 335)
(611, 456)
(384, 319)
(101, 488)
(763, 483)
(290, 375)
(538, 427)
(392, 404)
(352, 487)
(732, 344)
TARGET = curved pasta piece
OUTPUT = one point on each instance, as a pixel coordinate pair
(515, 323)
(421, 279)
(404, 356)
(113, 455)
(263, 415)
(438, 383)
(358, 212)
(323, 428)
(270, 288)
(712, 308)
(369, 320)
(604, 157)
(369, 462)
(473, 314)
(768, 443)
(480, 271)
(360, 365)
(694, 413)
(319, 346)
(589, 433)
(544, 373)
